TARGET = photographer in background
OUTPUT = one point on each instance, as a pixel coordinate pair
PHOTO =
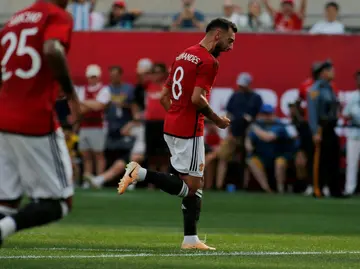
(188, 18)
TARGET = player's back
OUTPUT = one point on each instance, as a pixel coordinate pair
(29, 90)
(195, 67)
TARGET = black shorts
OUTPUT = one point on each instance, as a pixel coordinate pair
(154, 138)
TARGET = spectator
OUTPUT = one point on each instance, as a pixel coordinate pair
(330, 25)
(97, 20)
(120, 17)
(255, 20)
(156, 147)
(94, 98)
(352, 113)
(287, 19)
(80, 10)
(231, 13)
(143, 70)
(72, 144)
(189, 18)
(119, 113)
(137, 154)
(270, 144)
(242, 108)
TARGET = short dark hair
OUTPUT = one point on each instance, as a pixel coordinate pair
(116, 68)
(222, 24)
(161, 66)
(332, 4)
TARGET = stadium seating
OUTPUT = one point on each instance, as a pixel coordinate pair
(349, 9)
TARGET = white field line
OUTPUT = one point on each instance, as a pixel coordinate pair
(207, 254)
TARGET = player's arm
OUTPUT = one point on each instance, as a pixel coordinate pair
(165, 98)
(54, 53)
(198, 98)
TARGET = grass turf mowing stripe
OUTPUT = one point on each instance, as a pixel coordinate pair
(295, 253)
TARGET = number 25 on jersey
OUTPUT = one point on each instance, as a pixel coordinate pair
(176, 86)
(17, 45)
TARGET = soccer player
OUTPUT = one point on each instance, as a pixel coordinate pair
(34, 159)
(185, 98)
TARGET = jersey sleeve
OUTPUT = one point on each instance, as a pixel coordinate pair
(104, 96)
(59, 27)
(205, 75)
(168, 81)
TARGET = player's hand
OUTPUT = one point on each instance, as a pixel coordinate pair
(223, 122)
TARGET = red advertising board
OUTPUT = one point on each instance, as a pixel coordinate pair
(277, 62)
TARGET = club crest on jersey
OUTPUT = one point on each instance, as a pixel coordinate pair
(201, 167)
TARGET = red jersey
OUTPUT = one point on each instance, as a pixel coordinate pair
(153, 108)
(93, 119)
(29, 90)
(195, 67)
(284, 24)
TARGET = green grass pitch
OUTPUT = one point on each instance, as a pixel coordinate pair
(143, 229)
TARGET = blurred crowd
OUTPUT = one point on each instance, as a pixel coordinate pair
(258, 16)
(124, 122)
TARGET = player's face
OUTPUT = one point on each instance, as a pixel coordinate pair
(225, 41)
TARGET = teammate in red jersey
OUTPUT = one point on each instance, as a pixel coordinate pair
(185, 98)
(33, 158)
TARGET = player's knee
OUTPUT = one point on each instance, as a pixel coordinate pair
(194, 184)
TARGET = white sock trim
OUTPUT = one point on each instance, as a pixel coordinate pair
(191, 239)
(7, 210)
(64, 209)
(7, 227)
(141, 174)
(184, 190)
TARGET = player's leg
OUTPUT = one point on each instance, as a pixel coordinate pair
(10, 187)
(168, 182)
(46, 175)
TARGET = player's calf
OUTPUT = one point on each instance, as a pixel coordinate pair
(36, 213)
(167, 182)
